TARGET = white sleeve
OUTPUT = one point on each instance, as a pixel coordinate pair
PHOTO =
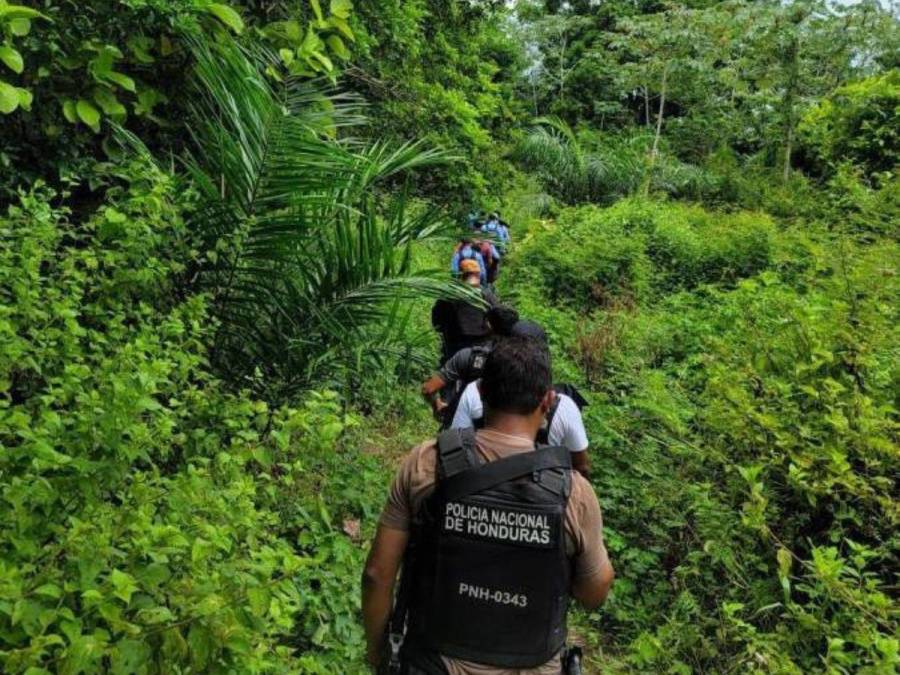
(469, 409)
(567, 428)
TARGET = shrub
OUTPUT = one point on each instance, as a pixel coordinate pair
(690, 246)
(592, 257)
(859, 123)
(150, 520)
(585, 260)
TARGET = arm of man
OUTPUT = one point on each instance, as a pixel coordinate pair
(454, 264)
(593, 572)
(568, 430)
(386, 556)
(581, 462)
(378, 580)
(432, 386)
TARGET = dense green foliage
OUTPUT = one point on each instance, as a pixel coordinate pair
(742, 384)
(222, 227)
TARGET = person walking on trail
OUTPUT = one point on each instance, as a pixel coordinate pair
(494, 536)
(495, 228)
(460, 323)
(491, 256)
(443, 389)
(563, 424)
(468, 250)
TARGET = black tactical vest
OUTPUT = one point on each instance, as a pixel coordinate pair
(490, 575)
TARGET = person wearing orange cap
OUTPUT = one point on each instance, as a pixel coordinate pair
(460, 323)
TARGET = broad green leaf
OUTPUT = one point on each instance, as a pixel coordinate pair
(311, 43)
(324, 60)
(49, 591)
(259, 600)
(109, 103)
(201, 645)
(227, 16)
(166, 48)
(88, 114)
(147, 100)
(140, 46)
(337, 47)
(342, 27)
(129, 656)
(69, 113)
(155, 615)
(341, 8)
(8, 12)
(9, 98)
(25, 98)
(121, 79)
(317, 9)
(287, 56)
(20, 27)
(124, 585)
(293, 30)
(11, 58)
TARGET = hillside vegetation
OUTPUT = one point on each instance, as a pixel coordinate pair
(222, 227)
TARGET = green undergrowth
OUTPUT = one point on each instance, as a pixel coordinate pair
(153, 518)
(742, 379)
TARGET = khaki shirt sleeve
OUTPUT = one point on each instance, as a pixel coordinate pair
(590, 551)
(416, 473)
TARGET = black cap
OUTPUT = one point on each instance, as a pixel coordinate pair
(529, 329)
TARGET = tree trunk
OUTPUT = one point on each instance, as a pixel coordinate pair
(646, 106)
(659, 115)
(651, 161)
(562, 69)
(788, 143)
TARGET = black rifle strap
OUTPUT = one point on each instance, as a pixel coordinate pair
(477, 479)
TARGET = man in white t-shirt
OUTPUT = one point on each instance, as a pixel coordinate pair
(566, 425)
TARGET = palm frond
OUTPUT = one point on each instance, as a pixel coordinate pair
(308, 253)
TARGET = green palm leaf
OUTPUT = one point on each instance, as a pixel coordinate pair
(309, 254)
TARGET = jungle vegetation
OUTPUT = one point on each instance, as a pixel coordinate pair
(222, 226)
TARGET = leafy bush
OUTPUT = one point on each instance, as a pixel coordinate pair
(586, 259)
(858, 123)
(151, 520)
(745, 434)
(690, 246)
(597, 257)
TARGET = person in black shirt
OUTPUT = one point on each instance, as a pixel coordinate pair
(460, 323)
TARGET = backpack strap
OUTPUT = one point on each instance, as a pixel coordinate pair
(543, 434)
(456, 452)
(572, 392)
(480, 478)
(475, 365)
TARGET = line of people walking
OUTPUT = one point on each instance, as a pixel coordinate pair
(494, 523)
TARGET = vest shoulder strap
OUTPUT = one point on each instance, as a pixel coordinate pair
(456, 452)
(479, 478)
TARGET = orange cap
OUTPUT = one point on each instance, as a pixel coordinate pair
(469, 266)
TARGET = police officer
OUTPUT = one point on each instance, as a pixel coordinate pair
(494, 537)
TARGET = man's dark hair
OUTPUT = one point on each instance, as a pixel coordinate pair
(465, 240)
(502, 319)
(516, 376)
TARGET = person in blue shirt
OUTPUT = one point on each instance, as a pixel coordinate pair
(468, 250)
(495, 227)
